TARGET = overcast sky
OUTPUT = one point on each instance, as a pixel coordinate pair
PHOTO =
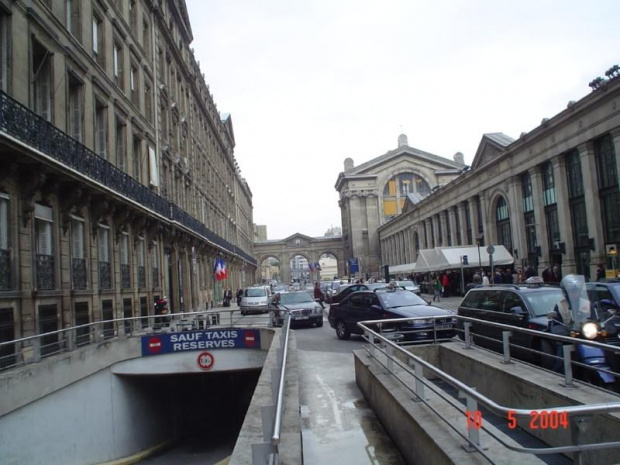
(310, 83)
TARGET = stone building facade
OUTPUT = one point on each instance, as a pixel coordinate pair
(550, 197)
(118, 181)
(374, 193)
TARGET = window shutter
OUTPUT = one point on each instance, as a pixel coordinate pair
(95, 36)
(154, 169)
(76, 114)
(125, 250)
(103, 245)
(44, 238)
(141, 252)
(78, 239)
(4, 224)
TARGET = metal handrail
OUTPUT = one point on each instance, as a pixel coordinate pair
(471, 393)
(277, 422)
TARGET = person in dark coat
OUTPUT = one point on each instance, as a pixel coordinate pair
(239, 296)
(600, 272)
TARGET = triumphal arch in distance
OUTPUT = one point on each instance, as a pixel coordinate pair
(310, 248)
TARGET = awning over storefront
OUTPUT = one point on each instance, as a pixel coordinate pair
(404, 268)
(446, 258)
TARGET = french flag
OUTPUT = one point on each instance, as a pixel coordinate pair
(219, 268)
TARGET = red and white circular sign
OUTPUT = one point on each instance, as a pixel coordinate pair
(155, 345)
(205, 361)
(249, 338)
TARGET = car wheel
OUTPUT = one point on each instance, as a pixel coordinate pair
(319, 323)
(341, 330)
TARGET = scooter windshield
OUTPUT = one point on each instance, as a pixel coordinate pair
(574, 287)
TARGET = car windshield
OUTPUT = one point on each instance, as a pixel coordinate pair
(295, 298)
(399, 299)
(255, 292)
(405, 283)
(543, 302)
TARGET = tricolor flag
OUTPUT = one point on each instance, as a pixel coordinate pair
(219, 269)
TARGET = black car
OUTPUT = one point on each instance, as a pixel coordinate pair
(524, 306)
(351, 288)
(303, 308)
(605, 295)
(388, 304)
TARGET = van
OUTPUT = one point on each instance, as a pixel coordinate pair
(256, 300)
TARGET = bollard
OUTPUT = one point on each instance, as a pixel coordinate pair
(506, 342)
(568, 367)
(466, 328)
(473, 431)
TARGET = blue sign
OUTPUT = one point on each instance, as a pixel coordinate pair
(354, 265)
(186, 341)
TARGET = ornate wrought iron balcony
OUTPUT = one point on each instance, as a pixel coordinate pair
(45, 272)
(105, 275)
(125, 276)
(141, 277)
(26, 126)
(78, 273)
(155, 275)
(5, 270)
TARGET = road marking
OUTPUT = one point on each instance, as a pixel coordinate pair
(331, 394)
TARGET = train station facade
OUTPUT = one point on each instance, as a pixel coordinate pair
(549, 197)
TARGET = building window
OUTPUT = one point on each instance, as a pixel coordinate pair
(76, 108)
(4, 52)
(457, 224)
(396, 190)
(146, 38)
(155, 264)
(605, 156)
(553, 227)
(148, 102)
(101, 128)
(5, 252)
(82, 317)
(502, 222)
(78, 256)
(44, 256)
(527, 193)
(576, 198)
(141, 259)
(121, 152)
(125, 264)
(137, 159)
(133, 15)
(7, 334)
(134, 85)
(42, 80)
(107, 314)
(470, 236)
(98, 41)
(72, 12)
(105, 267)
(118, 65)
(548, 184)
(48, 323)
(446, 215)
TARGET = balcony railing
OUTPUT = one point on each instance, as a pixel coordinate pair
(105, 275)
(45, 272)
(78, 273)
(125, 276)
(141, 277)
(26, 126)
(155, 275)
(5, 270)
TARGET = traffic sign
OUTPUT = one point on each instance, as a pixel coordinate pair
(490, 250)
(354, 265)
(465, 260)
(249, 338)
(205, 361)
(155, 345)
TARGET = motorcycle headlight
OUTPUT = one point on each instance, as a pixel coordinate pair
(589, 330)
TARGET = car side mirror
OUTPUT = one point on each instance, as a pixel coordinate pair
(517, 311)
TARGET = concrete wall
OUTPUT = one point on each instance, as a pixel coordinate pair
(72, 408)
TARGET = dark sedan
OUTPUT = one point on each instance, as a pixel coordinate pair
(351, 288)
(303, 308)
(388, 304)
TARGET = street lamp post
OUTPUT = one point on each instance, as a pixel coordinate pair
(479, 241)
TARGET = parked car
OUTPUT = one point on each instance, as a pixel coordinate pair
(410, 286)
(255, 300)
(384, 304)
(333, 289)
(524, 306)
(347, 290)
(302, 306)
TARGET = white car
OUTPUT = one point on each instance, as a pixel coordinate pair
(256, 300)
(410, 286)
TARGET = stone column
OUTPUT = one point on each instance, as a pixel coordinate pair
(564, 217)
(615, 135)
(435, 231)
(462, 223)
(473, 217)
(517, 223)
(541, 220)
(427, 234)
(452, 221)
(593, 205)
(443, 218)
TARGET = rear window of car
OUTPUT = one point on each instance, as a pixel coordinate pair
(543, 301)
(255, 292)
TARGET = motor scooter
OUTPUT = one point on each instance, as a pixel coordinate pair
(161, 309)
(577, 318)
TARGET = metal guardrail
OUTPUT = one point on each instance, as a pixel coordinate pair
(267, 452)
(472, 397)
(31, 349)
